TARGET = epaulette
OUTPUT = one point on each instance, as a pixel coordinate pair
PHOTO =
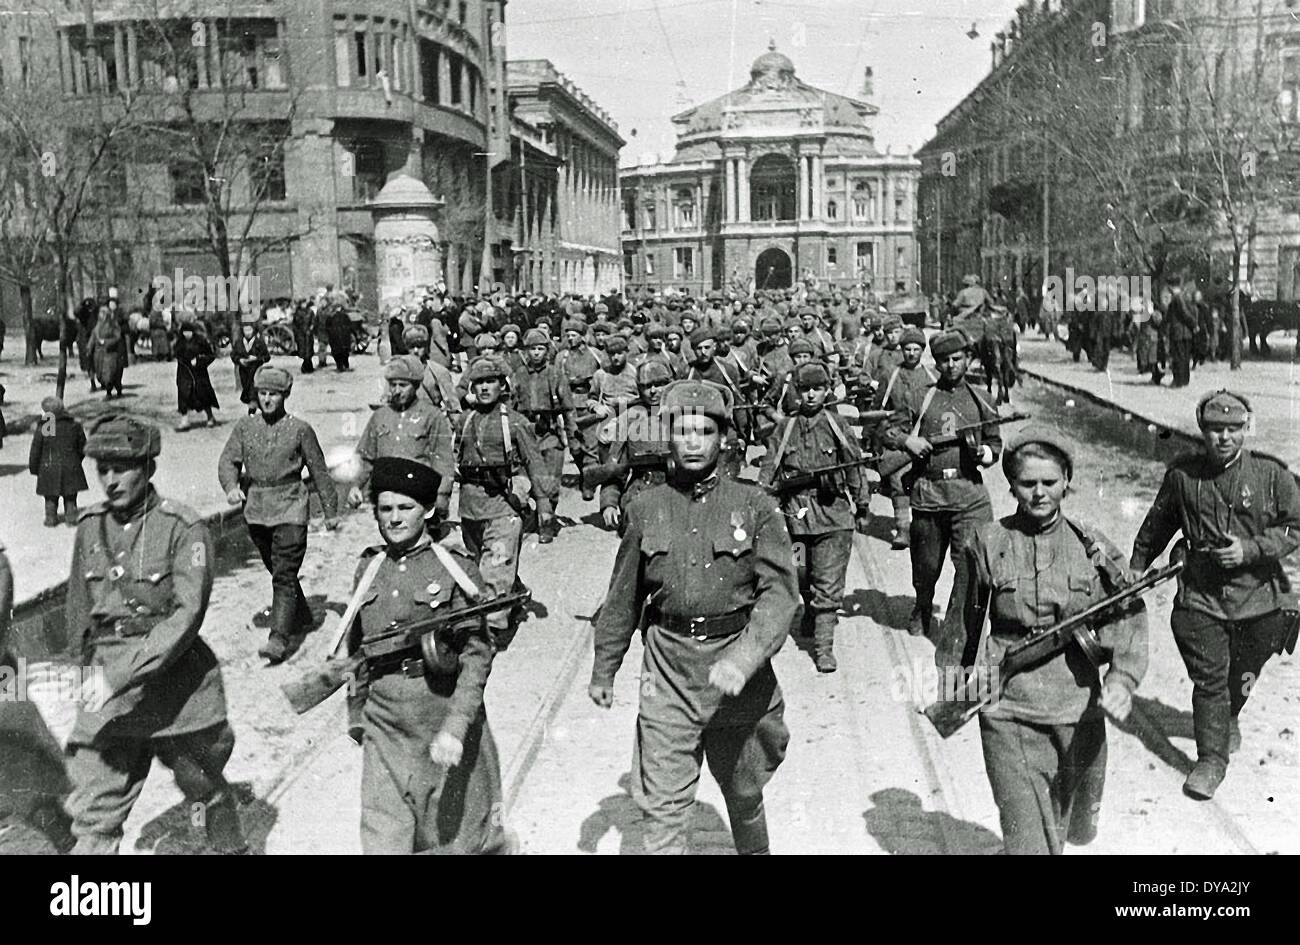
(99, 508)
(371, 551)
(178, 510)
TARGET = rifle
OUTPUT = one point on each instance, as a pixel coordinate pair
(314, 687)
(797, 482)
(948, 715)
(898, 460)
(605, 473)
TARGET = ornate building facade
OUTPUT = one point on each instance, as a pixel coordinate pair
(774, 182)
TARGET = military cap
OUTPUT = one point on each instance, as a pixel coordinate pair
(691, 314)
(616, 344)
(487, 339)
(807, 310)
(970, 279)
(674, 330)
(697, 397)
(415, 334)
(469, 324)
(714, 296)
(782, 308)
(505, 329)
(890, 322)
(770, 325)
(573, 324)
(118, 436)
(624, 323)
(1222, 406)
(912, 336)
(602, 308)
(405, 477)
(800, 346)
(601, 326)
(793, 324)
(875, 321)
(535, 336)
(1037, 433)
(656, 330)
(270, 377)
(404, 367)
(813, 374)
(703, 333)
(739, 324)
(946, 342)
(485, 367)
(651, 370)
(674, 305)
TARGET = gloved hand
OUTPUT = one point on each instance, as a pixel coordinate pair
(862, 523)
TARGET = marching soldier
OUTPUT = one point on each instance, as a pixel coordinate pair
(708, 560)
(579, 364)
(1044, 739)
(948, 497)
(437, 387)
(430, 775)
(614, 386)
(261, 468)
(138, 592)
(409, 428)
(894, 388)
(821, 519)
(643, 447)
(542, 396)
(1239, 515)
(496, 446)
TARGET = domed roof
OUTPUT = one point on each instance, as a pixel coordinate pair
(772, 63)
(405, 191)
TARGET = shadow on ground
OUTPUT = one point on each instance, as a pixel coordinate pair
(901, 826)
(620, 813)
(888, 610)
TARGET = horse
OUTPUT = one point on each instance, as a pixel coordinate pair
(46, 328)
(993, 338)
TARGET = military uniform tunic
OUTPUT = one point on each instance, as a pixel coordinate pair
(409, 804)
(420, 432)
(715, 548)
(542, 396)
(645, 447)
(273, 455)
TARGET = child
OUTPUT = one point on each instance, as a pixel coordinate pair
(57, 450)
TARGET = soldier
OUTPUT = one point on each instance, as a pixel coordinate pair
(821, 340)
(138, 592)
(820, 519)
(641, 446)
(888, 354)
(542, 396)
(579, 364)
(420, 795)
(511, 353)
(708, 367)
(1239, 514)
(261, 468)
(614, 387)
(655, 336)
(782, 398)
(1044, 739)
(948, 497)
(708, 560)
(896, 388)
(409, 428)
(496, 445)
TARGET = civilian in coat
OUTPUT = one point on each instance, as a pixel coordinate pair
(107, 354)
(193, 386)
(249, 352)
(58, 447)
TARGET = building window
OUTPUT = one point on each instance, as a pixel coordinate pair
(900, 258)
(359, 47)
(1290, 98)
(187, 183)
(864, 201)
(629, 212)
(685, 215)
(429, 82)
(455, 78)
(832, 256)
(649, 264)
(462, 11)
(683, 263)
(649, 216)
(900, 207)
(266, 171)
(369, 176)
(25, 59)
(864, 262)
(832, 210)
(629, 264)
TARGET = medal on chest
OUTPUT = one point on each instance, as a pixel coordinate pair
(434, 590)
(1245, 496)
(738, 524)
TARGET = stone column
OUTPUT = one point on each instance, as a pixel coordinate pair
(132, 57)
(802, 166)
(742, 173)
(819, 188)
(729, 201)
(407, 247)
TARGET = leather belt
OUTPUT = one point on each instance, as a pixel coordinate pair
(701, 628)
(943, 474)
(412, 667)
(480, 476)
(282, 481)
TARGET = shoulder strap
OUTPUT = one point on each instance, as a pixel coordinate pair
(785, 441)
(889, 386)
(1097, 555)
(354, 605)
(505, 433)
(456, 571)
(925, 405)
(839, 434)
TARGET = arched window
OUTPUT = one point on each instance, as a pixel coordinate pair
(773, 188)
(832, 210)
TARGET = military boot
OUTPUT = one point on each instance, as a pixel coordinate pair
(221, 823)
(51, 513)
(749, 830)
(902, 523)
(70, 511)
(1234, 737)
(1205, 779)
(824, 642)
(919, 623)
(283, 618)
(547, 529)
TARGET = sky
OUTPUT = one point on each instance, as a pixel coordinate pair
(646, 60)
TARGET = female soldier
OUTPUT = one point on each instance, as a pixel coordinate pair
(1045, 739)
(430, 778)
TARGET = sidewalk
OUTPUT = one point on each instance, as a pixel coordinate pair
(1272, 386)
(336, 405)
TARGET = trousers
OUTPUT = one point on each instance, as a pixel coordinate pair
(1047, 781)
(937, 533)
(282, 548)
(494, 543)
(822, 561)
(1224, 660)
(107, 778)
(1180, 361)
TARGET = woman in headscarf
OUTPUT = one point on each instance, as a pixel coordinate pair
(249, 352)
(58, 447)
(193, 387)
(107, 355)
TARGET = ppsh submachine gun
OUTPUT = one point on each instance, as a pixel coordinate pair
(605, 473)
(786, 483)
(425, 637)
(950, 714)
(899, 460)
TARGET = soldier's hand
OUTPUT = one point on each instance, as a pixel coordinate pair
(355, 497)
(726, 677)
(236, 496)
(603, 696)
(1231, 556)
(863, 524)
(446, 750)
(94, 693)
(918, 446)
(1116, 701)
(611, 516)
(985, 455)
